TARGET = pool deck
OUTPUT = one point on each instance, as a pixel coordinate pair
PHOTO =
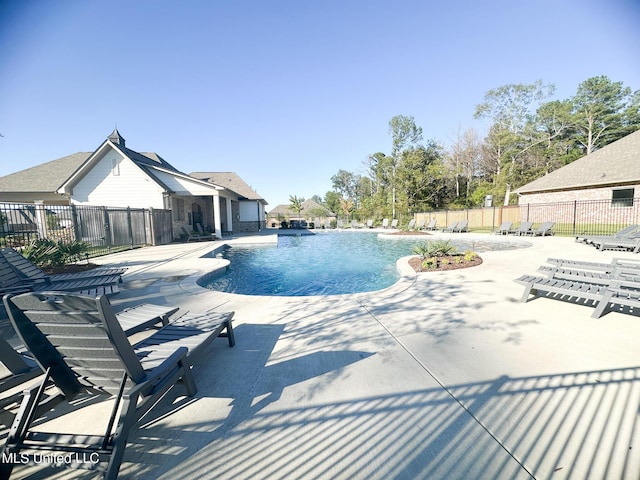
(444, 375)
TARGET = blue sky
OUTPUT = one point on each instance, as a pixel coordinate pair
(284, 92)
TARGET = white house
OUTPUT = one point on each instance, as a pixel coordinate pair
(116, 176)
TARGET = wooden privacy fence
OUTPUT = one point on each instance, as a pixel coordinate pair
(104, 228)
(591, 217)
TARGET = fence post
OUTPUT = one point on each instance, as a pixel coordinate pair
(41, 218)
(152, 225)
(107, 229)
(130, 228)
(76, 222)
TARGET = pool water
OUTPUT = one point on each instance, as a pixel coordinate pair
(329, 263)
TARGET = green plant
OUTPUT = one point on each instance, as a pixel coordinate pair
(470, 255)
(436, 248)
(45, 252)
(430, 263)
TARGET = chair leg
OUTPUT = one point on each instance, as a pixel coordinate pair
(527, 291)
(188, 380)
(602, 305)
(230, 335)
(119, 441)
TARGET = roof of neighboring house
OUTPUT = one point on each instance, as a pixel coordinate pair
(616, 163)
(46, 177)
(307, 205)
(230, 181)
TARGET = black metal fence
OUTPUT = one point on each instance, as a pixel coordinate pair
(584, 217)
(105, 229)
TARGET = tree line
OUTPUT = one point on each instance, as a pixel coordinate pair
(528, 136)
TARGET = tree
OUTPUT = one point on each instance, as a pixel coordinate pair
(295, 204)
(599, 109)
(421, 177)
(465, 161)
(405, 134)
(511, 108)
(332, 201)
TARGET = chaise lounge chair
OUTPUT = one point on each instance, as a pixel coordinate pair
(628, 232)
(394, 223)
(524, 228)
(461, 227)
(432, 225)
(412, 224)
(193, 235)
(543, 230)
(504, 228)
(83, 350)
(615, 264)
(628, 244)
(19, 274)
(452, 226)
(385, 223)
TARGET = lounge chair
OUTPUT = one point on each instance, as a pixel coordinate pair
(23, 368)
(432, 225)
(394, 223)
(193, 235)
(615, 264)
(385, 223)
(340, 224)
(629, 244)
(462, 226)
(370, 223)
(412, 224)
(15, 280)
(504, 228)
(28, 271)
(354, 224)
(203, 234)
(421, 223)
(524, 228)
(629, 278)
(452, 226)
(628, 232)
(543, 230)
(81, 347)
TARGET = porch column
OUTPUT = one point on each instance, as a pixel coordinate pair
(229, 215)
(216, 216)
(41, 218)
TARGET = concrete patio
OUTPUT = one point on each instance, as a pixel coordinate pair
(445, 375)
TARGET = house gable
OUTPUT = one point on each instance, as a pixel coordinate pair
(112, 178)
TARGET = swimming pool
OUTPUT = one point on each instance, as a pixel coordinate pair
(329, 263)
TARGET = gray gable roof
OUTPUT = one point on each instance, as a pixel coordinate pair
(230, 181)
(46, 177)
(614, 164)
(307, 205)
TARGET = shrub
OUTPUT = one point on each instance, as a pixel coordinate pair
(436, 248)
(45, 252)
(470, 255)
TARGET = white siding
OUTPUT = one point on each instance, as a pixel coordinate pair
(130, 188)
(184, 186)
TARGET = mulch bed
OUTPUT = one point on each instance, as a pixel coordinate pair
(416, 264)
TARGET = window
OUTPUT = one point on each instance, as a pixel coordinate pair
(622, 197)
(115, 167)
